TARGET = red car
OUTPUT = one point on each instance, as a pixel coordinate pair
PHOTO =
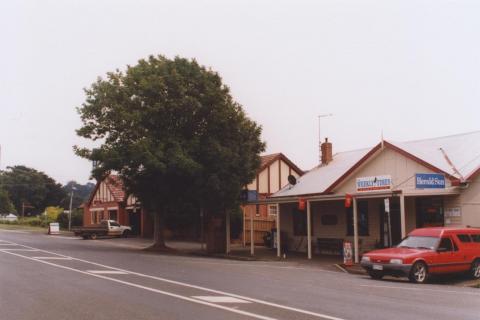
(428, 251)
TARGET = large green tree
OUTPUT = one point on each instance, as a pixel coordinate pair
(31, 188)
(173, 132)
(6, 205)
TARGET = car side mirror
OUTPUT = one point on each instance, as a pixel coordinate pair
(440, 250)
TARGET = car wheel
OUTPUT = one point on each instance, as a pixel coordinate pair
(126, 233)
(475, 271)
(419, 272)
(377, 275)
(93, 236)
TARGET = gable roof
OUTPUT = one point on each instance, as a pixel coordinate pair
(457, 156)
(268, 159)
(114, 184)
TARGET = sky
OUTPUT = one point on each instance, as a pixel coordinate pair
(409, 69)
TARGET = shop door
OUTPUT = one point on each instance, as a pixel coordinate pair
(135, 221)
(394, 226)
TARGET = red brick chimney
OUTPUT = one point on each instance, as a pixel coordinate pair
(327, 152)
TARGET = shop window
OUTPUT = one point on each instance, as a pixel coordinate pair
(329, 219)
(429, 212)
(94, 217)
(362, 211)
(112, 214)
(300, 222)
(257, 210)
(272, 210)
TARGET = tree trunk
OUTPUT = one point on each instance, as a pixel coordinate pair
(158, 228)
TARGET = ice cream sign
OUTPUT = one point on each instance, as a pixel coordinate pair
(375, 183)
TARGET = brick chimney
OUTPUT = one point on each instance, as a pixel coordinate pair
(327, 152)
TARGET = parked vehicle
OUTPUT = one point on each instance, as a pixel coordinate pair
(105, 228)
(428, 251)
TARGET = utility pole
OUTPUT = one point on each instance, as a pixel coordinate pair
(70, 211)
(319, 136)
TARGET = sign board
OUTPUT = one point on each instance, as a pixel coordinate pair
(387, 204)
(375, 183)
(54, 228)
(248, 195)
(347, 253)
(429, 181)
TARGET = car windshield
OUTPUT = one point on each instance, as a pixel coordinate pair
(419, 242)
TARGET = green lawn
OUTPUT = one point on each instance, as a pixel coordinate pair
(22, 227)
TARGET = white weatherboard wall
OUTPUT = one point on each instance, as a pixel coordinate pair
(276, 175)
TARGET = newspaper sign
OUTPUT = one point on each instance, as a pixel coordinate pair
(347, 253)
(375, 183)
(54, 228)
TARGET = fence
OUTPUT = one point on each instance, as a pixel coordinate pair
(260, 228)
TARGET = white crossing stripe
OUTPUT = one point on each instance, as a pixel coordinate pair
(14, 249)
(52, 258)
(220, 299)
(106, 272)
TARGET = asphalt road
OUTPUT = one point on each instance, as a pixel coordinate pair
(47, 277)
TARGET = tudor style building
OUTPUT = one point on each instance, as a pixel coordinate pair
(393, 188)
(109, 201)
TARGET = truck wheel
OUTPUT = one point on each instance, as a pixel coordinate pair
(126, 233)
(475, 271)
(93, 236)
(419, 272)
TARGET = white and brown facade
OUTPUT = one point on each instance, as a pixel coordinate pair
(110, 201)
(271, 177)
(392, 189)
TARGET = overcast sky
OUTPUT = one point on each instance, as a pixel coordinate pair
(409, 68)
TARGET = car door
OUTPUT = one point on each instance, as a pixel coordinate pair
(115, 229)
(448, 257)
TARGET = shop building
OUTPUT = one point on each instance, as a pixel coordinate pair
(109, 201)
(373, 197)
(271, 177)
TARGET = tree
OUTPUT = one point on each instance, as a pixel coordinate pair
(80, 194)
(32, 188)
(175, 135)
(6, 205)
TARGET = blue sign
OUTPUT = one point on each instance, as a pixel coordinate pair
(429, 181)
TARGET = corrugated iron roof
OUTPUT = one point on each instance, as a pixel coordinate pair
(458, 156)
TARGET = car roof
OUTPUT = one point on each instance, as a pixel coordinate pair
(439, 231)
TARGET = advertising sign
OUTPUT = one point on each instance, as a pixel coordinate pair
(429, 181)
(348, 200)
(347, 253)
(387, 204)
(375, 183)
(54, 228)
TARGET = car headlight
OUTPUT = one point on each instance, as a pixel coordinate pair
(366, 259)
(396, 261)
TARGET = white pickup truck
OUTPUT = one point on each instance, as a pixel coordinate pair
(105, 228)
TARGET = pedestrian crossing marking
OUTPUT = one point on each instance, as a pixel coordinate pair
(106, 272)
(220, 299)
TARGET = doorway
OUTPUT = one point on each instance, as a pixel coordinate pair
(394, 227)
(134, 219)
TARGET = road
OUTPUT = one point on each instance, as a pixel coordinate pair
(47, 277)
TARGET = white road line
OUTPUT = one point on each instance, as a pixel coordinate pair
(271, 304)
(52, 258)
(106, 272)
(420, 289)
(15, 249)
(245, 313)
(220, 299)
(61, 237)
(14, 231)
(340, 267)
(8, 244)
